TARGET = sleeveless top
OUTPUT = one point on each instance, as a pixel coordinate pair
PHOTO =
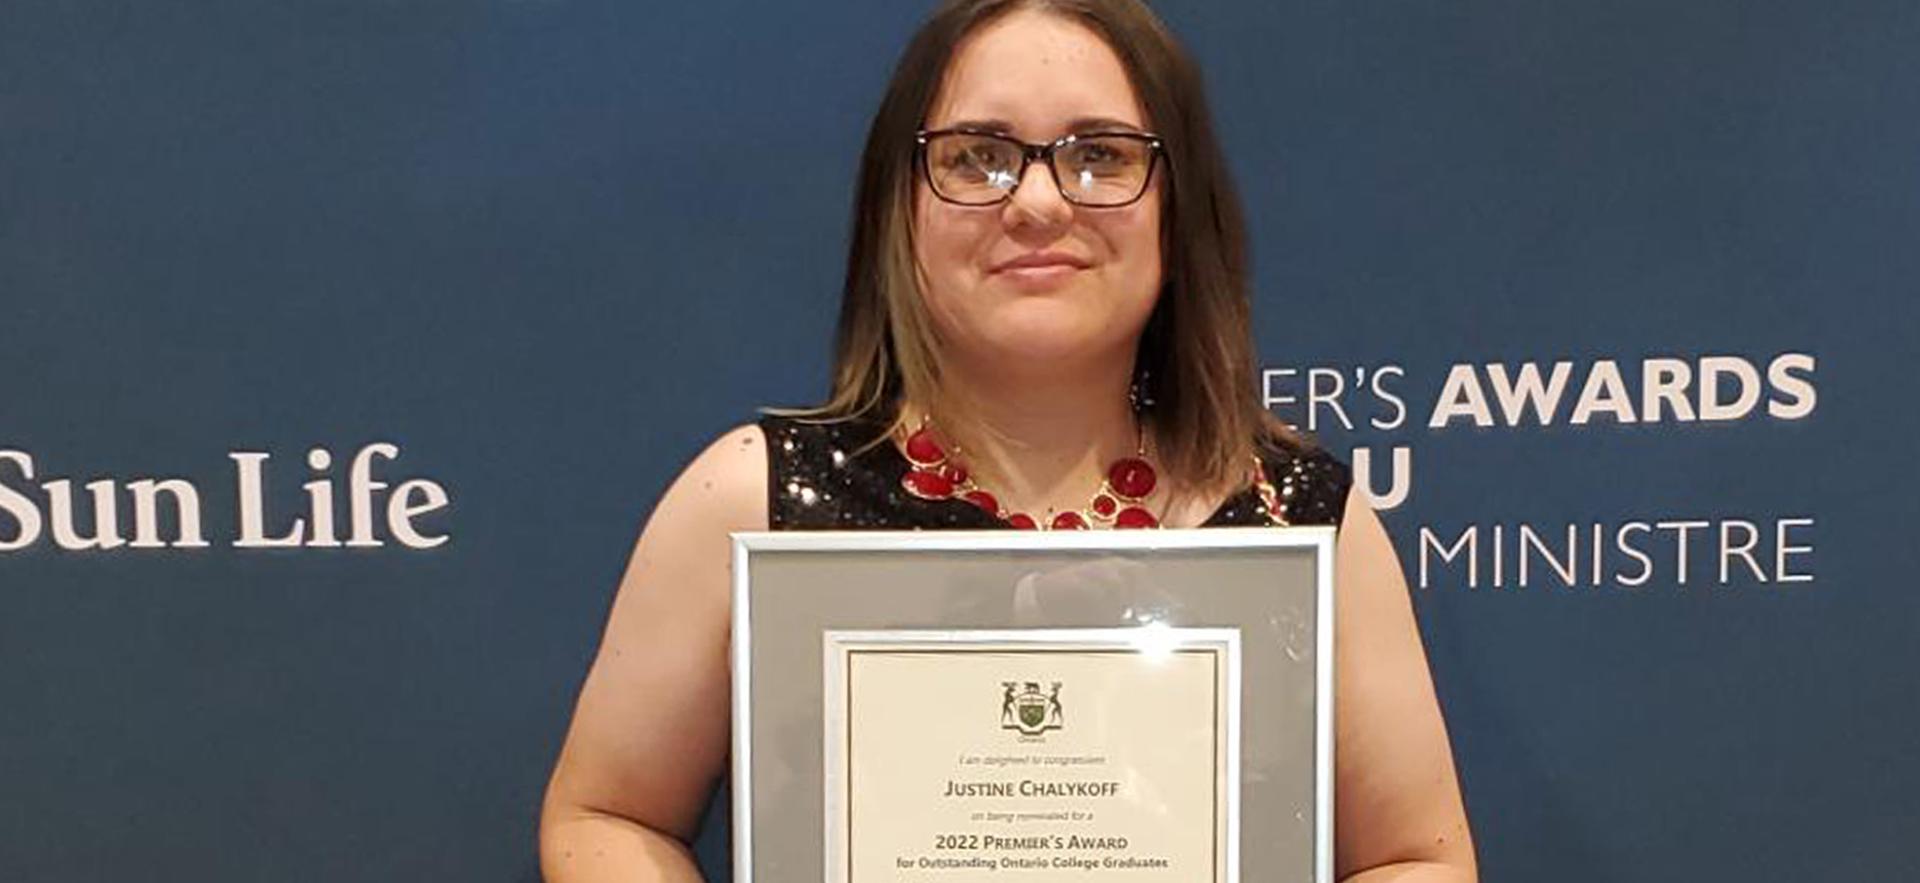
(818, 478)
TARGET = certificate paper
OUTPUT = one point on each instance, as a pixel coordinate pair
(1085, 754)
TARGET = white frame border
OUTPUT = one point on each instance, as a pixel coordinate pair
(1318, 538)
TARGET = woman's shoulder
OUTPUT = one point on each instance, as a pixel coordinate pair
(739, 453)
(724, 486)
(1309, 483)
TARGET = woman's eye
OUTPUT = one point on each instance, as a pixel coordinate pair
(1100, 159)
(974, 161)
(1099, 153)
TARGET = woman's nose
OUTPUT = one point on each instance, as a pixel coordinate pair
(1037, 201)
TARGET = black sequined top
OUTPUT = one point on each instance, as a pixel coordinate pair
(816, 481)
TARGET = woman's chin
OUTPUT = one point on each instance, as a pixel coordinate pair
(1017, 329)
(1049, 334)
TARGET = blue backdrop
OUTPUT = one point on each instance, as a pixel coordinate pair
(546, 249)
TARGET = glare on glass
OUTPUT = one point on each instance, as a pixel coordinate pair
(1101, 170)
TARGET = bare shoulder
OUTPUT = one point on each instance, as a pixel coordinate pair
(726, 480)
(726, 484)
(677, 574)
(687, 538)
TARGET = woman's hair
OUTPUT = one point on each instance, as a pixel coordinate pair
(1195, 363)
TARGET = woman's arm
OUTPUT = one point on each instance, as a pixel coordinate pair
(650, 732)
(1397, 809)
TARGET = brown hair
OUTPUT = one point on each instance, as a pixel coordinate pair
(1195, 362)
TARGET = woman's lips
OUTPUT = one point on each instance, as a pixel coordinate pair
(1041, 269)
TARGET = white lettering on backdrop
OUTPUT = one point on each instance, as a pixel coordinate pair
(262, 522)
(1619, 549)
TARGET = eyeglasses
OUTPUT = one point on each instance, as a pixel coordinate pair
(1102, 170)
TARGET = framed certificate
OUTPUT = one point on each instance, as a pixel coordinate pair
(1149, 706)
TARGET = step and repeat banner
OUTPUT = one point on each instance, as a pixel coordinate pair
(347, 345)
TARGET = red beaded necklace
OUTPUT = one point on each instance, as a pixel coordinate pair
(935, 474)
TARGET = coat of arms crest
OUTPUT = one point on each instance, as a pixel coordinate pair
(1025, 708)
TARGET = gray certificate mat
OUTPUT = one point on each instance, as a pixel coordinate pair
(1265, 592)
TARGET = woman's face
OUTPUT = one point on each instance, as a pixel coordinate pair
(1036, 279)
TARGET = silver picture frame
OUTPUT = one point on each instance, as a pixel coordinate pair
(1265, 592)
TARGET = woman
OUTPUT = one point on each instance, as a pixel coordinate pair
(1044, 323)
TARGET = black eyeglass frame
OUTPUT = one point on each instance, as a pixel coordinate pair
(1156, 149)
